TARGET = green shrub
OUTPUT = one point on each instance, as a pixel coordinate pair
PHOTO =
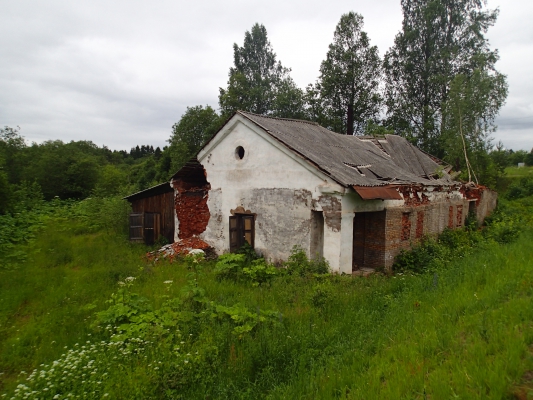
(299, 264)
(229, 266)
(259, 272)
(522, 189)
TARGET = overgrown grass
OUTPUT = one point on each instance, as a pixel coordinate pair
(464, 329)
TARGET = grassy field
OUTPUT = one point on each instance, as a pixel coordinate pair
(88, 315)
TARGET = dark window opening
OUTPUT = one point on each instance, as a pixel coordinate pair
(239, 153)
(241, 230)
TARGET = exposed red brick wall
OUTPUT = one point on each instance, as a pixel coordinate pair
(406, 226)
(450, 217)
(419, 224)
(459, 216)
(413, 196)
(191, 208)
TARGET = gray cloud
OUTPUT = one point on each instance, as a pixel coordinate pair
(121, 73)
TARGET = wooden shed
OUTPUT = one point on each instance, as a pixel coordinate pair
(152, 214)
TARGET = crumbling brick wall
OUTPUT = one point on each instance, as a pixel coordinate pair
(192, 212)
(408, 224)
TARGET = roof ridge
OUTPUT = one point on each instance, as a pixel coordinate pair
(279, 118)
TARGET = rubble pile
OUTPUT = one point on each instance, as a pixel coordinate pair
(182, 247)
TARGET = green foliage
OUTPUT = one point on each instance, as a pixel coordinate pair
(5, 193)
(108, 213)
(440, 60)
(323, 336)
(346, 95)
(248, 252)
(322, 295)
(259, 272)
(528, 159)
(195, 127)
(245, 267)
(258, 82)
(468, 119)
(502, 226)
(298, 264)
(229, 266)
(521, 189)
(244, 320)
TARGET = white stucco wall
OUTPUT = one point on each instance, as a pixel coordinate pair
(273, 183)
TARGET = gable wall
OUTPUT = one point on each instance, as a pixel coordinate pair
(271, 184)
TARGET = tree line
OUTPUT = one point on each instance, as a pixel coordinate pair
(437, 86)
(33, 172)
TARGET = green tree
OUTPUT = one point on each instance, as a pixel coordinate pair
(528, 159)
(440, 39)
(5, 192)
(516, 157)
(468, 119)
(346, 95)
(12, 151)
(195, 127)
(258, 82)
(63, 170)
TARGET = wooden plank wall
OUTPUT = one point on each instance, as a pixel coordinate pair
(162, 204)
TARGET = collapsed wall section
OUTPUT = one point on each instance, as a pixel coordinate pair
(191, 193)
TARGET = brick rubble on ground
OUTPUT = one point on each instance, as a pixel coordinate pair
(182, 247)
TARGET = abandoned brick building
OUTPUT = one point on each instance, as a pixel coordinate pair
(276, 183)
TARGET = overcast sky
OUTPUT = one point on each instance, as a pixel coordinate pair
(121, 73)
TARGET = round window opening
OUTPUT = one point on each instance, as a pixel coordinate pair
(239, 153)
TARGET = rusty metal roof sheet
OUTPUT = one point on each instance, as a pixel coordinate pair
(354, 161)
(378, 192)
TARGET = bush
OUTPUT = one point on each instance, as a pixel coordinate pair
(520, 190)
(259, 272)
(229, 266)
(299, 264)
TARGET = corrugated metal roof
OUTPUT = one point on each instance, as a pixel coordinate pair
(352, 161)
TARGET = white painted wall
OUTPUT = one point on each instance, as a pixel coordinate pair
(271, 181)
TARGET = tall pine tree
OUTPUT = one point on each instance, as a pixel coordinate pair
(346, 95)
(258, 82)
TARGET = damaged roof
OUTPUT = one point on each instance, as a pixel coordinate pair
(355, 160)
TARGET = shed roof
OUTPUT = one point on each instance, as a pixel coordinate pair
(151, 191)
(355, 160)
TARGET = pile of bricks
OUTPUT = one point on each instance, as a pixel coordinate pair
(182, 247)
